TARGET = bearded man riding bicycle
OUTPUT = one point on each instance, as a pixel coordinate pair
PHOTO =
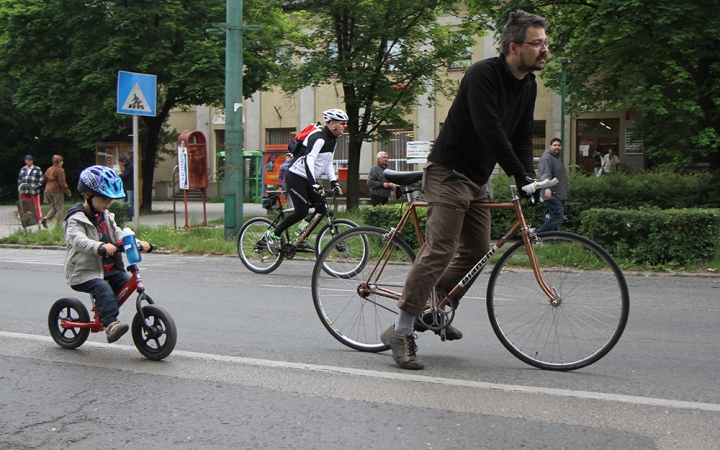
(301, 178)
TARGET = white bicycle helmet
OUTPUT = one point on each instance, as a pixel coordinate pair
(335, 114)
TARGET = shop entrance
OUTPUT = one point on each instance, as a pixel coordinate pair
(602, 134)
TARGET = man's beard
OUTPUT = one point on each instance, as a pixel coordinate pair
(536, 65)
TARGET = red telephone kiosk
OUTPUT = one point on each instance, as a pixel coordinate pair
(193, 167)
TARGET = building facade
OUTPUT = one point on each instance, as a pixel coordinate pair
(272, 118)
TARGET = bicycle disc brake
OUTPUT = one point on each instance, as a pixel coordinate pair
(437, 317)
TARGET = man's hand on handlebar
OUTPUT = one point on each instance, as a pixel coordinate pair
(337, 190)
(318, 189)
(521, 182)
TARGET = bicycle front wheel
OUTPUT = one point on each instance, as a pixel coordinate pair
(328, 232)
(586, 316)
(356, 283)
(252, 248)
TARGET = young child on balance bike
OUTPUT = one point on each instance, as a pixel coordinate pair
(92, 264)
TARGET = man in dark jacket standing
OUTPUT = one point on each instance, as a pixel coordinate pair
(128, 183)
(550, 166)
(490, 121)
(380, 188)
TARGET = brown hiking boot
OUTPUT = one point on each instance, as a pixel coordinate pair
(403, 349)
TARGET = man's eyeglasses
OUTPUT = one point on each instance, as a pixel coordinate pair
(343, 123)
(536, 44)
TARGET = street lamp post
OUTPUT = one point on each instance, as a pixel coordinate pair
(234, 166)
(564, 62)
(233, 118)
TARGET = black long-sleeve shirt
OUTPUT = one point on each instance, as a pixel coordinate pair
(490, 121)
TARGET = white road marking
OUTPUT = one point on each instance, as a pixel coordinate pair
(619, 398)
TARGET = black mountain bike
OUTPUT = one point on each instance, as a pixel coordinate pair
(253, 250)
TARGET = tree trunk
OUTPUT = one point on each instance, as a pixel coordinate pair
(149, 153)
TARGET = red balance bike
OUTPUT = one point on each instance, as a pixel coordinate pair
(153, 329)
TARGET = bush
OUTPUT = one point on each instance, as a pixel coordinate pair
(654, 236)
(388, 216)
(653, 206)
(120, 210)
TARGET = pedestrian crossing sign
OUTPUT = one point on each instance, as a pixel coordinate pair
(136, 94)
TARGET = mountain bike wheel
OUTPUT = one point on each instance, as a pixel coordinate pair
(73, 310)
(592, 302)
(328, 232)
(355, 289)
(252, 248)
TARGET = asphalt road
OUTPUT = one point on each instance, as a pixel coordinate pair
(254, 368)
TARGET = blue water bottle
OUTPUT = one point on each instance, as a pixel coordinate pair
(131, 247)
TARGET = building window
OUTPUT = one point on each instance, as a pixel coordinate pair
(278, 138)
(220, 154)
(463, 63)
(219, 141)
(340, 157)
(394, 54)
(396, 146)
(539, 137)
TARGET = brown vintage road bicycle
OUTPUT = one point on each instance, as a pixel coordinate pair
(555, 300)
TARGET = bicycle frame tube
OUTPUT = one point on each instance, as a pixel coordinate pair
(316, 218)
(520, 225)
(315, 221)
(134, 284)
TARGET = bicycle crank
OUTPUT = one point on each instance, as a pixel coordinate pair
(436, 317)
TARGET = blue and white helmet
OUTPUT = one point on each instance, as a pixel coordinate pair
(102, 181)
(335, 114)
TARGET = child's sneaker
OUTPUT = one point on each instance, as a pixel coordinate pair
(115, 331)
(273, 242)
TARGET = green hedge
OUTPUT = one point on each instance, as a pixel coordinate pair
(655, 236)
(387, 216)
(120, 210)
(660, 212)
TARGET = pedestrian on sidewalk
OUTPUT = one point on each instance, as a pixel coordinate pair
(55, 185)
(28, 181)
(128, 184)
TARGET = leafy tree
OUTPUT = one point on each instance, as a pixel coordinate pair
(383, 54)
(657, 56)
(64, 56)
(22, 135)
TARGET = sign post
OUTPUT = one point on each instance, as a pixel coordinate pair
(136, 95)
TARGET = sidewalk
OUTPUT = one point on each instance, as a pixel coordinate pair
(164, 215)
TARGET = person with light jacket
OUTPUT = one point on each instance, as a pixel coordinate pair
(91, 262)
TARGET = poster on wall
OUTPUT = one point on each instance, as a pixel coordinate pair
(633, 147)
(417, 151)
(585, 147)
(183, 178)
(273, 161)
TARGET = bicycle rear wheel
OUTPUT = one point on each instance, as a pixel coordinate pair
(356, 284)
(252, 248)
(592, 302)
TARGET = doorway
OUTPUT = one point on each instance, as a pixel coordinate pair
(603, 134)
